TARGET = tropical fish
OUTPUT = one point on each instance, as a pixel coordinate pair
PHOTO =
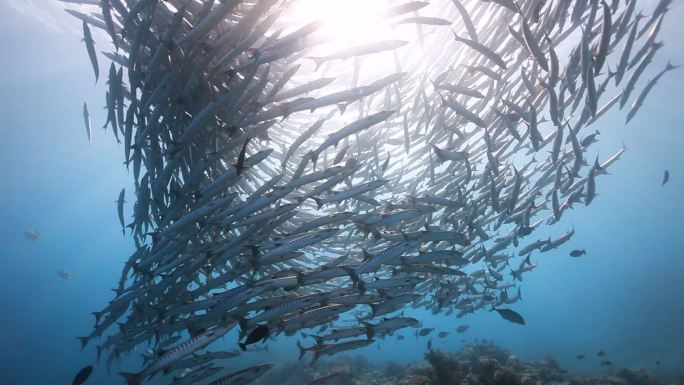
(510, 315)
(82, 375)
(259, 333)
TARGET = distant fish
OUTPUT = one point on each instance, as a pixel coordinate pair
(606, 363)
(66, 274)
(462, 328)
(657, 362)
(510, 315)
(442, 334)
(119, 209)
(601, 353)
(86, 120)
(578, 253)
(666, 177)
(82, 375)
(580, 356)
(32, 234)
(423, 20)
(90, 47)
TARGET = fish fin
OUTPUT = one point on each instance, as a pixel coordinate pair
(319, 203)
(318, 339)
(239, 166)
(98, 314)
(84, 341)
(318, 61)
(242, 346)
(302, 351)
(131, 378)
(315, 358)
(342, 107)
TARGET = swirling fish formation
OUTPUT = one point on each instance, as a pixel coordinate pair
(272, 199)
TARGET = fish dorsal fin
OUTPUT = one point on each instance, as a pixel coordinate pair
(366, 254)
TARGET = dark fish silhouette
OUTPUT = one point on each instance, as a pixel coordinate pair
(462, 328)
(601, 353)
(578, 253)
(258, 334)
(82, 375)
(580, 356)
(510, 315)
(666, 177)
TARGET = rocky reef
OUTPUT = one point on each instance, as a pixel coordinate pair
(480, 363)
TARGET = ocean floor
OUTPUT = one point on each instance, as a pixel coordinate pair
(482, 363)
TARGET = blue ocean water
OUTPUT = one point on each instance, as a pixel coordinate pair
(624, 297)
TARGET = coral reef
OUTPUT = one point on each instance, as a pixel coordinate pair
(444, 368)
(480, 363)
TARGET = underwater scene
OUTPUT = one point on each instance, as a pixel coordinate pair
(333, 192)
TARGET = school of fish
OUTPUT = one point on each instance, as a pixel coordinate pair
(286, 185)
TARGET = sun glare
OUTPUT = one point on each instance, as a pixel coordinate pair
(344, 23)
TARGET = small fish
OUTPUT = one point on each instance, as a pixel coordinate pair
(32, 234)
(82, 375)
(578, 253)
(66, 274)
(462, 328)
(86, 120)
(606, 363)
(442, 334)
(510, 315)
(580, 356)
(120, 208)
(666, 177)
(601, 353)
(90, 47)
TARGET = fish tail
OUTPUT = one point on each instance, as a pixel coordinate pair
(318, 61)
(355, 278)
(242, 346)
(314, 158)
(243, 326)
(369, 331)
(84, 341)
(671, 66)
(374, 309)
(319, 203)
(97, 315)
(131, 378)
(319, 340)
(302, 351)
(315, 358)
